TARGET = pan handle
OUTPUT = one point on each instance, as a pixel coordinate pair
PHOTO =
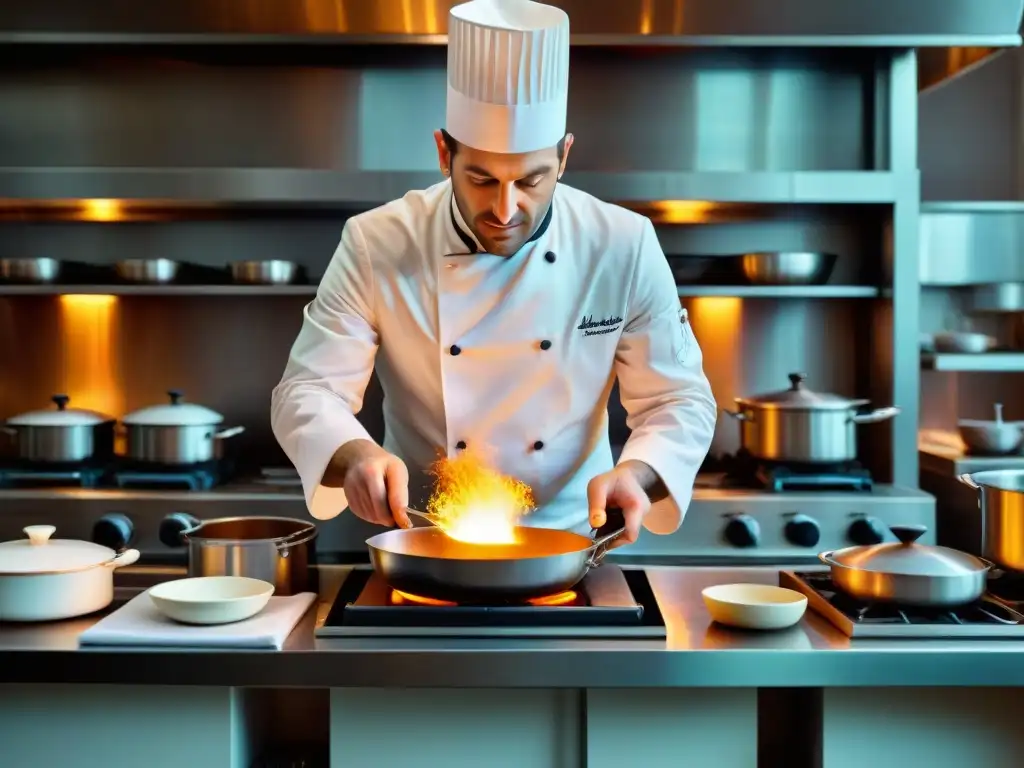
(614, 526)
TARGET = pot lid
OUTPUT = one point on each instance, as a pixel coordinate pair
(61, 416)
(40, 554)
(175, 414)
(905, 558)
(799, 397)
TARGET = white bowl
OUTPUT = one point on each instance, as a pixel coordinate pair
(211, 599)
(754, 606)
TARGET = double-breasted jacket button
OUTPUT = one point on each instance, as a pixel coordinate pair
(546, 344)
(461, 445)
(455, 349)
(538, 445)
(550, 257)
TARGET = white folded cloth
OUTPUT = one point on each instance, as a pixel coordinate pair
(139, 623)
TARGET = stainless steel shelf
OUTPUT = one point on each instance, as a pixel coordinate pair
(782, 291)
(293, 186)
(991, 362)
(952, 462)
(972, 206)
(739, 291)
(159, 290)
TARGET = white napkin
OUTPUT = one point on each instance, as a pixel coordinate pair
(138, 622)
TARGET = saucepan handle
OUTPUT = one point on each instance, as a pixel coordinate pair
(614, 526)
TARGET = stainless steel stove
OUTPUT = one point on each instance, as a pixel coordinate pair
(741, 513)
(999, 614)
(608, 602)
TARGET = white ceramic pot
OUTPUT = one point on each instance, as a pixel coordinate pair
(44, 579)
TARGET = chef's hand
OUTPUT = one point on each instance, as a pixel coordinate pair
(375, 482)
(623, 488)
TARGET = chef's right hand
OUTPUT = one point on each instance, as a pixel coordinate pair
(375, 482)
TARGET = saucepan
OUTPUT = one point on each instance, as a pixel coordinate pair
(907, 572)
(425, 561)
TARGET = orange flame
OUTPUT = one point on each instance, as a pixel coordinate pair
(474, 503)
(406, 598)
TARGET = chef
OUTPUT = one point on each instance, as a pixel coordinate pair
(498, 307)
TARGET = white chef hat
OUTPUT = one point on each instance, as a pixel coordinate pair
(508, 75)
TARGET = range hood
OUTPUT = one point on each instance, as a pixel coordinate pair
(805, 23)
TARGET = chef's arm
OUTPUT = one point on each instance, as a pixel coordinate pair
(313, 407)
(667, 397)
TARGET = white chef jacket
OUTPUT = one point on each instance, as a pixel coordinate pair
(514, 354)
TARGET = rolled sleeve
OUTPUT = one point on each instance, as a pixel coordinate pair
(670, 409)
(314, 407)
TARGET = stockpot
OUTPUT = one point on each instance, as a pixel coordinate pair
(800, 425)
(62, 434)
(279, 550)
(176, 433)
(1001, 501)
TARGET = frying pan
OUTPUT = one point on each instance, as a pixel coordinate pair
(424, 561)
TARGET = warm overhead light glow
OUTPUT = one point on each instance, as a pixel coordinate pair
(682, 211)
(102, 210)
(88, 340)
(646, 17)
(718, 323)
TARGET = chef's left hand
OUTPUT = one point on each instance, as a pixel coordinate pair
(621, 488)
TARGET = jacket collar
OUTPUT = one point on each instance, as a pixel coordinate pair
(469, 239)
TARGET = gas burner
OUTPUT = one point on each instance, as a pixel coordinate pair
(1008, 589)
(609, 602)
(744, 471)
(49, 474)
(194, 477)
(988, 617)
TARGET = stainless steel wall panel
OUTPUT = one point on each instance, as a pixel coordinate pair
(701, 22)
(695, 111)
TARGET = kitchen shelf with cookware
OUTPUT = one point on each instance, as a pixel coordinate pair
(685, 291)
(307, 187)
(154, 276)
(764, 275)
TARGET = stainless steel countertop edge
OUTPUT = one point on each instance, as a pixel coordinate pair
(697, 653)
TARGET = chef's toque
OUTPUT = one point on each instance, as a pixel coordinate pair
(508, 75)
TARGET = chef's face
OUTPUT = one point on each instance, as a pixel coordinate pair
(503, 198)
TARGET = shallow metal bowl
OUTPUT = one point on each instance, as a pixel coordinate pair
(963, 342)
(147, 270)
(270, 272)
(26, 270)
(787, 267)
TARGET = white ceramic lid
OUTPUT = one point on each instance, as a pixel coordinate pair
(61, 416)
(175, 414)
(40, 554)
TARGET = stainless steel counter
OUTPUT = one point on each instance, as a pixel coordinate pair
(697, 653)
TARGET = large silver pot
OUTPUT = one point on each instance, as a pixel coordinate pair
(908, 573)
(176, 433)
(1001, 501)
(799, 425)
(62, 434)
(279, 550)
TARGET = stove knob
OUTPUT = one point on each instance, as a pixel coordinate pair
(866, 531)
(743, 531)
(114, 530)
(172, 526)
(802, 531)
